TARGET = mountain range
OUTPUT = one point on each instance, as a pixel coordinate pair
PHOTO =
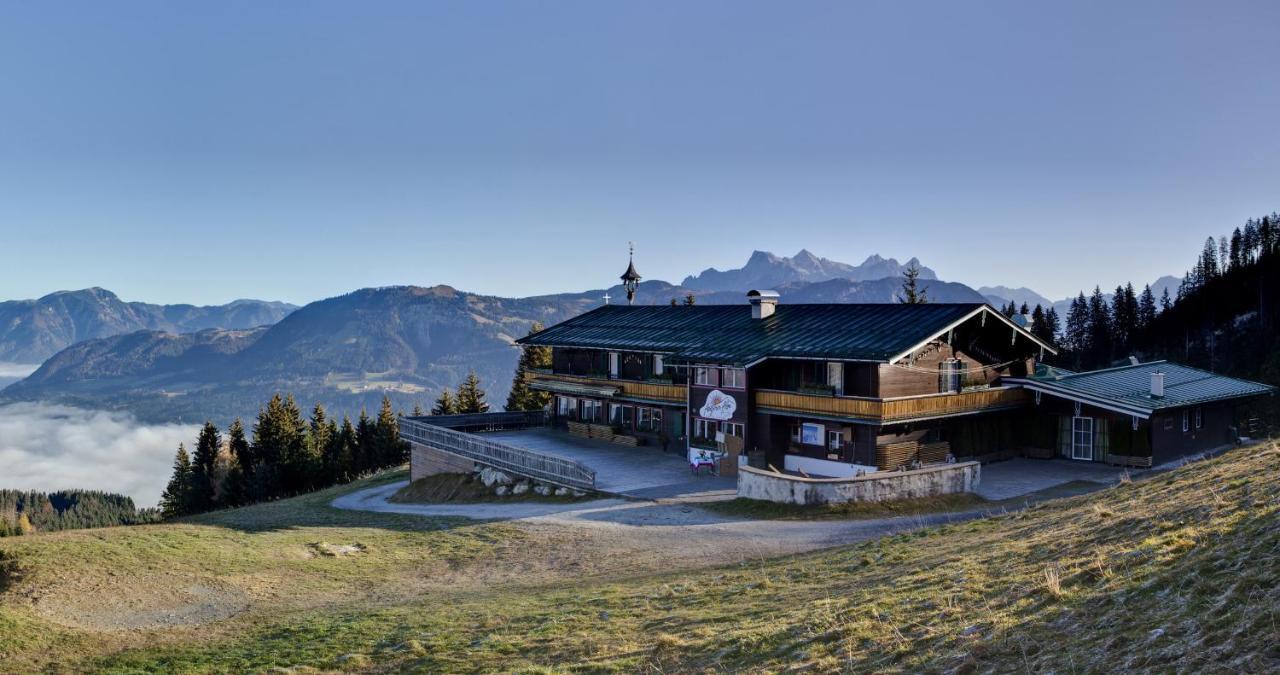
(33, 330)
(766, 270)
(348, 351)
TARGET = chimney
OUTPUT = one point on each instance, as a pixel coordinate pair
(1157, 384)
(762, 303)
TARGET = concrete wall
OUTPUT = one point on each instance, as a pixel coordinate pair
(877, 487)
(424, 461)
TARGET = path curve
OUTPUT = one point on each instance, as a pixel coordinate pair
(664, 523)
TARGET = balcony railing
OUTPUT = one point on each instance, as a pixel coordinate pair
(892, 410)
(652, 390)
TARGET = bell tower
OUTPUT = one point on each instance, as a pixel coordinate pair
(631, 278)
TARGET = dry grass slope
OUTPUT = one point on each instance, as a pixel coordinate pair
(1177, 573)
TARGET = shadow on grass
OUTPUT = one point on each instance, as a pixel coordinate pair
(314, 510)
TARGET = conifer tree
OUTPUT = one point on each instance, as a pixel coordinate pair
(202, 488)
(391, 450)
(1077, 329)
(522, 396)
(176, 498)
(1165, 302)
(690, 299)
(1146, 309)
(471, 396)
(911, 293)
(1051, 326)
(417, 410)
(1099, 330)
(238, 486)
(337, 452)
(366, 446)
(445, 404)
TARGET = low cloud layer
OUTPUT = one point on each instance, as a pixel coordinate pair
(52, 447)
(12, 372)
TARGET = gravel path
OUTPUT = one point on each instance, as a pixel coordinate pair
(677, 528)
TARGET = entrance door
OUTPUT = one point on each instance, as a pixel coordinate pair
(1082, 438)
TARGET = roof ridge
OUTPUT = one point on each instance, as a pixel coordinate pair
(1115, 368)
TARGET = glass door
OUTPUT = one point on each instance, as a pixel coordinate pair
(1082, 438)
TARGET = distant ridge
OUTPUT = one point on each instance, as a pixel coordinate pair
(33, 330)
(764, 270)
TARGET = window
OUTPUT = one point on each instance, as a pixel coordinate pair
(566, 406)
(620, 414)
(705, 377)
(590, 410)
(657, 364)
(795, 432)
(649, 419)
(1199, 417)
(704, 429)
(613, 364)
(949, 376)
(733, 378)
(731, 429)
(835, 377)
(1186, 421)
(835, 440)
(1082, 438)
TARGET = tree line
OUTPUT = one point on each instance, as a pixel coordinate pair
(283, 455)
(26, 512)
(1222, 317)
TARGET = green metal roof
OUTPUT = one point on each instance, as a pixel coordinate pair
(1129, 387)
(728, 334)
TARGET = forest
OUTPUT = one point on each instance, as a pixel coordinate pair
(24, 512)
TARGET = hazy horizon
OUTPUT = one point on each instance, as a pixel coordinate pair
(202, 153)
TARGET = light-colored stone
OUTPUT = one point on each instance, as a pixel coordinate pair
(543, 490)
(562, 492)
(502, 490)
(520, 488)
(876, 487)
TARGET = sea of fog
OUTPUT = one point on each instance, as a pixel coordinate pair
(12, 372)
(49, 447)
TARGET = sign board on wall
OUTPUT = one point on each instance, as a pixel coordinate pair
(812, 434)
(719, 406)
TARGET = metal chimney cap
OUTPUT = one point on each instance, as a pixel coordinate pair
(763, 295)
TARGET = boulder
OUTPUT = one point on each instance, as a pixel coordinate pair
(520, 488)
(562, 492)
(543, 490)
(491, 477)
(502, 490)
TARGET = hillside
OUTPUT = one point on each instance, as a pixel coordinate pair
(33, 330)
(345, 352)
(1178, 572)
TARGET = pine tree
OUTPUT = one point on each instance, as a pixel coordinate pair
(176, 498)
(1039, 327)
(391, 450)
(690, 299)
(1146, 309)
(417, 410)
(1165, 302)
(445, 404)
(1023, 310)
(337, 452)
(202, 488)
(320, 431)
(522, 396)
(1100, 330)
(363, 458)
(471, 396)
(1077, 330)
(912, 294)
(1124, 318)
(1051, 326)
(238, 486)
(1208, 261)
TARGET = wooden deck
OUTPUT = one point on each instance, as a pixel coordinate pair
(888, 411)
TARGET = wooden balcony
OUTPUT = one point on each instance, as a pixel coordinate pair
(650, 391)
(889, 411)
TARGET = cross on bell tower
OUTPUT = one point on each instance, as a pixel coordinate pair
(631, 278)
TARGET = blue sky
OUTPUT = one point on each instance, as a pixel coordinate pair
(176, 152)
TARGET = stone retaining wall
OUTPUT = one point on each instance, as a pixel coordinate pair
(424, 461)
(881, 486)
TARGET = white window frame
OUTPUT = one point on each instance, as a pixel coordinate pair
(795, 433)
(704, 429)
(733, 429)
(593, 405)
(704, 376)
(566, 406)
(657, 364)
(613, 365)
(1186, 421)
(1199, 417)
(1082, 429)
(733, 378)
(835, 440)
(835, 377)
